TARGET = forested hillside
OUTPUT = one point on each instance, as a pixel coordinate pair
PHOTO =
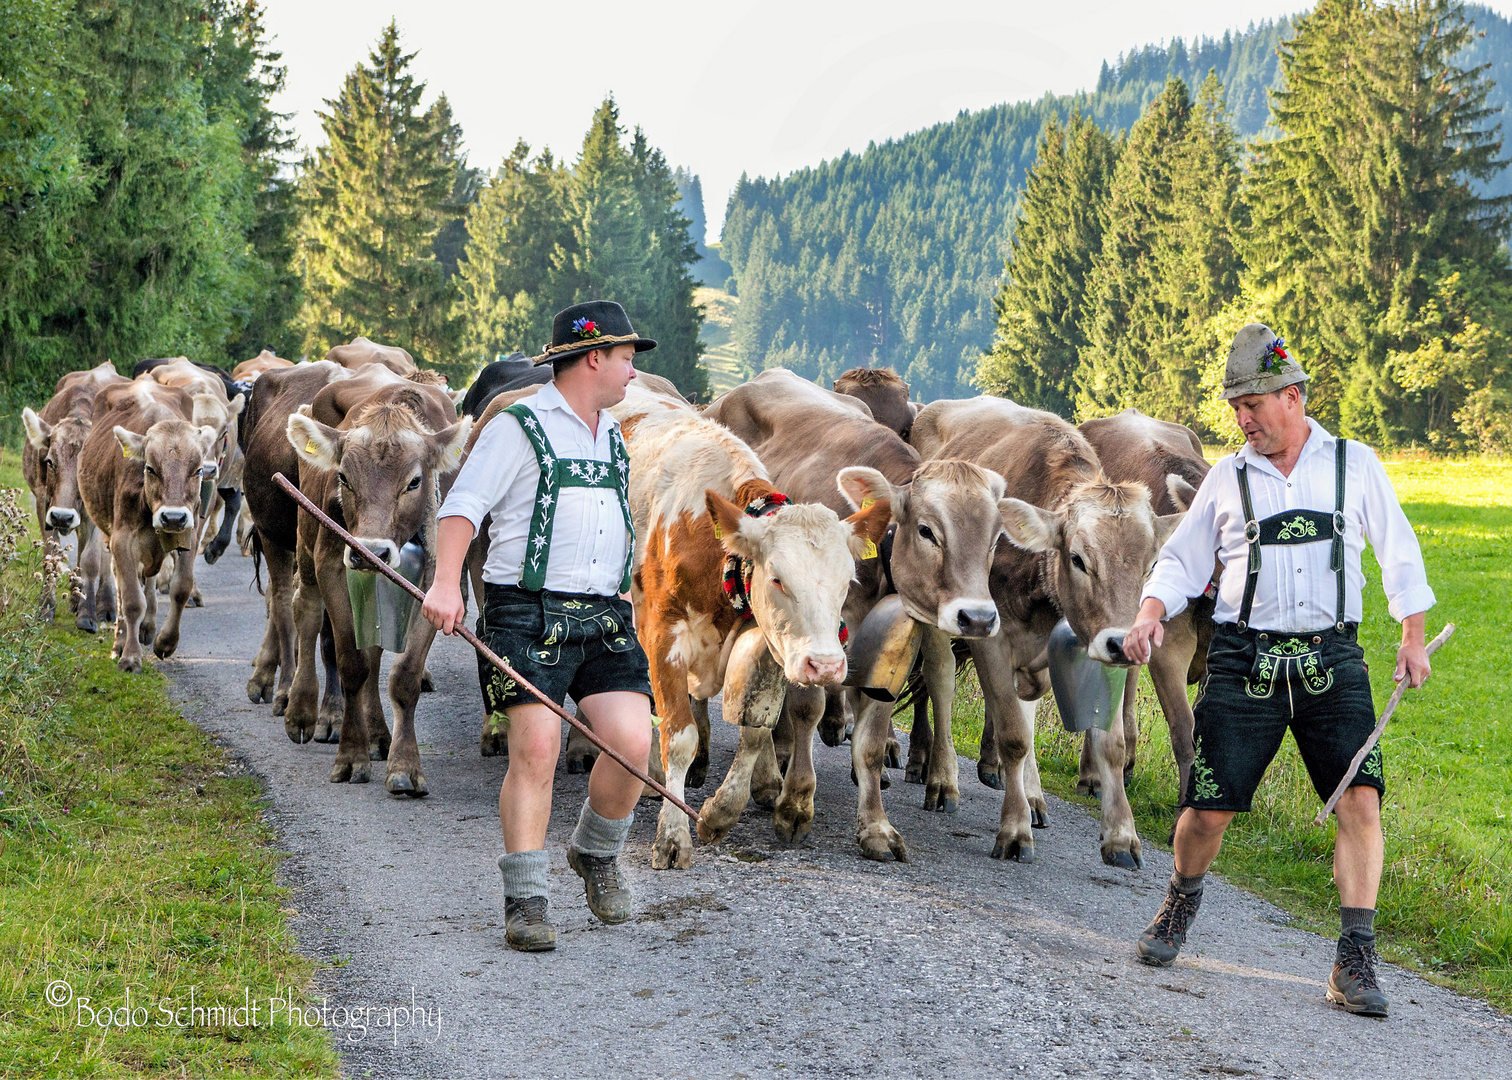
(893, 255)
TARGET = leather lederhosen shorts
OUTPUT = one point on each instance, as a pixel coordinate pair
(1258, 684)
(565, 643)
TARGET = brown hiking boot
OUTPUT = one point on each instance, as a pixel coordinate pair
(1353, 981)
(609, 895)
(526, 927)
(1162, 940)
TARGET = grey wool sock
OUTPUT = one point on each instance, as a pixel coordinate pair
(1188, 885)
(524, 874)
(1357, 922)
(599, 836)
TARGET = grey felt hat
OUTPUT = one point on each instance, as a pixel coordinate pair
(1258, 364)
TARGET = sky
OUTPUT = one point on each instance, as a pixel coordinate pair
(763, 87)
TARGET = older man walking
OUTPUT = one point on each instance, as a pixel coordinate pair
(1287, 516)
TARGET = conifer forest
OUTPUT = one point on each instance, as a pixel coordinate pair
(1340, 175)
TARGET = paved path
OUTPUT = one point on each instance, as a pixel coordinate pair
(763, 961)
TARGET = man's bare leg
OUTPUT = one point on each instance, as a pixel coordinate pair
(623, 720)
(535, 739)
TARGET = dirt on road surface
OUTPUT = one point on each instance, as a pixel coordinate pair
(765, 961)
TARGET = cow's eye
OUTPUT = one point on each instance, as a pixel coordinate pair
(925, 532)
(149, 470)
(1076, 561)
(342, 480)
(413, 484)
(777, 584)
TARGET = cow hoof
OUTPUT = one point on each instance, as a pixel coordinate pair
(195, 600)
(882, 843)
(1017, 850)
(883, 780)
(378, 751)
(215, 549)
(406, 783)
(698, 772)
(580, 762)
(328, 727)
(427, 682)
(1128, 774)
(48, 611)
(672, 853)
(894, 759)
(916, 772)
(89, 626)
(164, 647)
(942, 800)
(131, 665)
(259, 690)
(831, 734)
(989, 775)
(1089, 786)
(351, 772)
(1124, 860)
(146, 632)
(296, 731)
(792, 823)
(1038, 819)
(493, 743)
(766, 798)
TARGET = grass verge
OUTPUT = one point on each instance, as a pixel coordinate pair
(1448, 811)
(136, 873)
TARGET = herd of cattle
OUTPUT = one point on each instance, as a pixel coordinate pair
(987, 521)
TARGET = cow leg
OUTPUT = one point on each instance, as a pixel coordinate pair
(988, 770)
(230, 500)
(244, 527)
(1039, 810)
(678, 737)
(942, 789)
(380, 738)
(405, 776)
(165, 573)
(91, 605)
(833, 726)
(1014, 737)
(754, 691)
(874, 833)
(919, 740)
(302, 713)
(1120, 840)
(782, 737)
(274, 665)
(328, 726)
(793, 814)
(133, 602)
(179, 588)
(495, 739)
(721, 811)
(893, 758)
(698, 771)
(766, 777)
(147, 628)
(1168, 673)
(581, 753)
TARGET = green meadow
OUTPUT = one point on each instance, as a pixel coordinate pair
(1448, 752)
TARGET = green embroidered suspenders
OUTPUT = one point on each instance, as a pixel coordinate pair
(1275, 652)
(558, 473)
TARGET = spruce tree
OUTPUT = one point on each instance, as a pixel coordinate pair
(1168, 262)
(374, 199)
(1367, 203)
(1057, 234)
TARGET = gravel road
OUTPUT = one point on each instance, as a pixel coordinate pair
(765, 961)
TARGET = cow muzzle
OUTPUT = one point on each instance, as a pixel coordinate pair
(386, 550)
(62, 520)
(819, 670)
(969, 618)
(1107, 648)
(172, 519)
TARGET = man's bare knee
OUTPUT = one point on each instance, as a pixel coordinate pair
(1359, 805)
(1209, 822)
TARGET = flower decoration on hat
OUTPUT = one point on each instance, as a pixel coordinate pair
(586, 328)
(1273, 350)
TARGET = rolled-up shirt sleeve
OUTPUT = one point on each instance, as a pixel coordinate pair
(1185, 565)
(495, 462)
(1403, 576)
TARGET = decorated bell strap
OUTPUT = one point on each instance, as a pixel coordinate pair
(1289, 658)
(737, 571)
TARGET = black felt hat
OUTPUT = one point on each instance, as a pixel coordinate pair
(598, 324)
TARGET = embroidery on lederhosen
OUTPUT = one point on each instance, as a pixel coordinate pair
(1202, 782)
(1277, 659)
(1371, 766)
(558, 473)
(567, 621)
(496, 690)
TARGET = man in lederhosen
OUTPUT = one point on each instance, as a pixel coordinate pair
(553, 473)
(1288, 516)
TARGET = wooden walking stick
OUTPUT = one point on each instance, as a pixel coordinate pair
(1375, 736)
(488, 654)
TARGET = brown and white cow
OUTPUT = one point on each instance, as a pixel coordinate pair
(248, 370)
(1080, 546)
(50, 463)
(360, 352)
(691, 480)
(378, 471)
(885, 395)
(807, 437)
(140, 472)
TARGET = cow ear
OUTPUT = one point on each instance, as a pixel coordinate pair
(868, 527)
(1030, 527)
(1165, 525)
(859, 484)
(207, 410)
(238, 403)
(131, 443)
(207, 437)
(1180, 491)
(731, 525)
(448, 445)
(37, 430)
(315, 443)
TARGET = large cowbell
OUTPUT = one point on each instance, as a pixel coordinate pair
(1087, 693)
(381, 610)
(883, 650)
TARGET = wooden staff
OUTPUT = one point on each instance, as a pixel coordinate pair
(1375, 736)
(488, 654)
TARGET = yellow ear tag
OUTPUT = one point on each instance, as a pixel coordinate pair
(310, 446)
(868, 502)
(126, 452)
(718, 532)
(870, 552)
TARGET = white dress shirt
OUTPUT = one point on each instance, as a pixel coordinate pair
(589, 541)
(1296, 591)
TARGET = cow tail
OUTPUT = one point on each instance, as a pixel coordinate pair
(257, 558)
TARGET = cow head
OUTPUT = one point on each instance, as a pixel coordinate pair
(1100, 544)
(386, 465)
(211, 411)
(884, 393)
(949, 521)
(803, 560)
(175, 456)
(57, 447)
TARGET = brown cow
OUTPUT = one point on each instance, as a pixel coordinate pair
(1080, 545)
(377, 470)
(248, 370)
(50, 463)
(778, 414)
(140, 471)
(885, 395)
(1167, 459)
(360, 352)
(691, 480)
